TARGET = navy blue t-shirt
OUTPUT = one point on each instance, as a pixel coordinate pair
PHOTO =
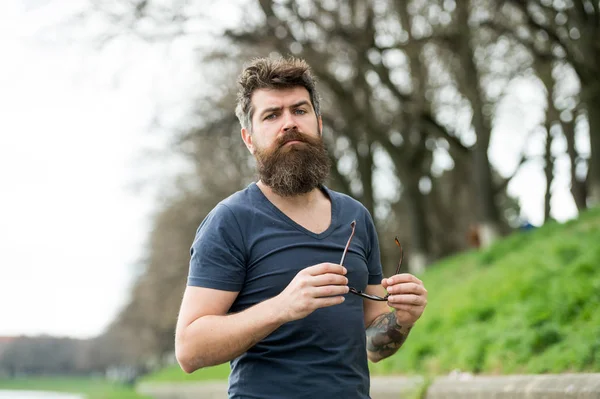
(248, 245)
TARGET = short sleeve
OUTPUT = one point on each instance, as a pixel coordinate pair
(374, 256)
(217, 254)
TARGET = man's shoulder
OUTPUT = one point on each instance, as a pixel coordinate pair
(228, 213)
(344, 199)
(240, 198)
(237, 203)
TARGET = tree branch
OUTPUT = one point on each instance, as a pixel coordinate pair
(522, 160)
(511, 34)
(433, 126)
(552, 33)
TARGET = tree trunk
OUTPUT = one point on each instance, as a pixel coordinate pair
(419, 254)
(364, 154)
(548, 166)
(482, 172)
(364, 158)
(578, 186)
(591, 94)
(544, 69)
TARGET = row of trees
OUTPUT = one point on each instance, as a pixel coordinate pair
(45, 355)
(411, 97)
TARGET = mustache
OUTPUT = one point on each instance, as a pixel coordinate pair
(293, 135)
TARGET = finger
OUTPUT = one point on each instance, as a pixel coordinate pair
(407, 299)
(402, 278)
(328, 279)
(407, 288)
(329, 301)
(323, 268)
(329, 290)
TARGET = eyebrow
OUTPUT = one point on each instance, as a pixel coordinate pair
(295, 105)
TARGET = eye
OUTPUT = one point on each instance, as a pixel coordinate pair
(300, 112)
(270, 117)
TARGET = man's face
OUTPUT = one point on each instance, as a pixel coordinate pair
(286, 141)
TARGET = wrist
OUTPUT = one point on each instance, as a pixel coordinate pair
(277, 312)
(402, 323)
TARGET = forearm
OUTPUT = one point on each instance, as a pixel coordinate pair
(212, 340)
(385, 336)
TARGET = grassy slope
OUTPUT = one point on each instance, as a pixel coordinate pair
(530, 303)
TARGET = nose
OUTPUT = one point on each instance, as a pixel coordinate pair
(289, 123)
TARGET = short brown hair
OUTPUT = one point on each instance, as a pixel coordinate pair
(273, 73)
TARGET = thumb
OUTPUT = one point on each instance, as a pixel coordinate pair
(384, 283)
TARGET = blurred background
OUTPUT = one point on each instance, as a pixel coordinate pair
(456, 123)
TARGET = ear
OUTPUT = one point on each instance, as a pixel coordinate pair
(247, 137)
(320, 121)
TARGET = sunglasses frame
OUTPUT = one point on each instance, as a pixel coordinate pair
(364, 294)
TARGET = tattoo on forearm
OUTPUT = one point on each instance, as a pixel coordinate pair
(385, 336)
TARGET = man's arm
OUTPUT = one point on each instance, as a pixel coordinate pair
(385, 336)
(206, 335)
(388, 330)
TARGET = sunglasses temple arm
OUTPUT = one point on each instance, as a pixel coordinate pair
(345, 250)
(401, 255)
(347, 244)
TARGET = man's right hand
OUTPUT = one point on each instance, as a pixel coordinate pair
(312, 288)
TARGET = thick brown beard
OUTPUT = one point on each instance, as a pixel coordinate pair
(295, 169)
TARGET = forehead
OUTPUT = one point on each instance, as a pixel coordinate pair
(268, 98)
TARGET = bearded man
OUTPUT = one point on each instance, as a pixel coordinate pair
(266, 288)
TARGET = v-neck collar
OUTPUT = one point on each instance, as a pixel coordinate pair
(297, 226)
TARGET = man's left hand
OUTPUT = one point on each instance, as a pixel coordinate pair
(408, 297)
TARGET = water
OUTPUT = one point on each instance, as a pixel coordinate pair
(37, 395)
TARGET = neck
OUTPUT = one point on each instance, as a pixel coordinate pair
(296, 201)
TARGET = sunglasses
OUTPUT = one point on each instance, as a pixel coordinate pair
(360, 293)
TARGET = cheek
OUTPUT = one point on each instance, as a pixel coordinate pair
(259, 143)
(312, 127)
(265, 138)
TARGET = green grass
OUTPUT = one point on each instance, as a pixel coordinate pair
(528, 304)
(88, 387)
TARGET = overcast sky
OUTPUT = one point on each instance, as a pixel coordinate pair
(74, 124)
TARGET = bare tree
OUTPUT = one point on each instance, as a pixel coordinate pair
(470, 82)
(354, 48)
(573, 29)
(578, 180)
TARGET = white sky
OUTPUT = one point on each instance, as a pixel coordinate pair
(73, 125)
(71, 226)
